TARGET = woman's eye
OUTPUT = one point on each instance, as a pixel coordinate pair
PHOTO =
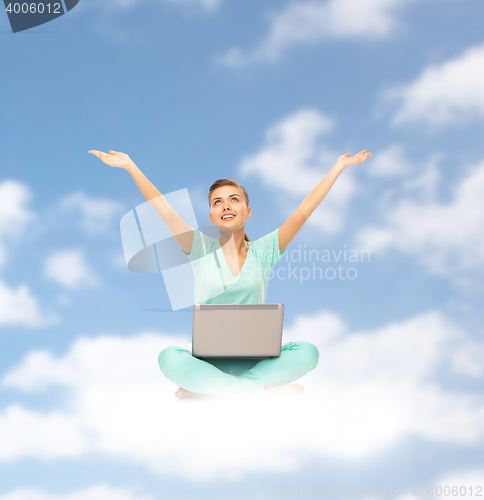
(233, 198)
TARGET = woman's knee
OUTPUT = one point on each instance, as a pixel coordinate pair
(310, 353)
(168, 358)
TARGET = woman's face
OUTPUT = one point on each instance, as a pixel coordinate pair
(228, 208)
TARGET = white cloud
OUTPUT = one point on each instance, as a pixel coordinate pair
(97, 213)
(427, 183)
(307, 23)
(85, 363)
(390, 376)
(24, 433)
(98, 492)
(390, 162)
(118, 260)
(450, 92)
(20, 307)
(420, 180)
(15, 215)
(292, 163)
(371, 390)
(462, 485)
(69, 269)
(446, 237)
(17, 306)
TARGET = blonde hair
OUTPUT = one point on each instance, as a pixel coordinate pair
(228, 182)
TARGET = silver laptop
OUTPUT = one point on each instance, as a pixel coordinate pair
(237, 330)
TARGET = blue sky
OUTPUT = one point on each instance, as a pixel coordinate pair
(269, 93)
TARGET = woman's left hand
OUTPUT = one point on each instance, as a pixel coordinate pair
(346, 160)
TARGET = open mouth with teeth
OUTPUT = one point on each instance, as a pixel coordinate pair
(228, 217)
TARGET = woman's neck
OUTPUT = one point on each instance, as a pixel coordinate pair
(237, 238)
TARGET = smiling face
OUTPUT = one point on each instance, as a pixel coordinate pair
(228, 208)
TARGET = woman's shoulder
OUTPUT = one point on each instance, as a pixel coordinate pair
(266, 244)
(267, 247)
(268, 239)
(202, 244)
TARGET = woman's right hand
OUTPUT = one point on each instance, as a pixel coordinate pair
(114, 158)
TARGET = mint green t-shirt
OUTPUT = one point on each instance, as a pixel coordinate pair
(215, 283)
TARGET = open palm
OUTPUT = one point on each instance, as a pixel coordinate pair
(346, 160)
(113, 158)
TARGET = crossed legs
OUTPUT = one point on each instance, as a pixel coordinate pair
(203, 377)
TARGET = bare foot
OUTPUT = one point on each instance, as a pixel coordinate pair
(183, 393)
(290, 392)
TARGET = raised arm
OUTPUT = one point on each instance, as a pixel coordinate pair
(179, 229)
(296, 220)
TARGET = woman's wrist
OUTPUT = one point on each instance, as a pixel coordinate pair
(338, 167)
(131, 167)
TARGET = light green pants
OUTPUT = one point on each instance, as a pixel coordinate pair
(237, 379)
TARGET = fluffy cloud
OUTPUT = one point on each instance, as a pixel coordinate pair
(69, 269)
(15, 215)
(370, 390)
(96, 213)
(99, 492)
(17, 305)
(390, 162)
(20, 307)
(465, 482)
(450, 92)
(24, 433)
(293, 163)
(307, 23)
(445, 237)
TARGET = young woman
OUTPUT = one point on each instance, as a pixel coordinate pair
(246, 270)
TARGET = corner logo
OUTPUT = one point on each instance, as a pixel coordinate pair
(24, 15)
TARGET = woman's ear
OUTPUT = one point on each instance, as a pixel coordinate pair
(249, 213)
(211, 218)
